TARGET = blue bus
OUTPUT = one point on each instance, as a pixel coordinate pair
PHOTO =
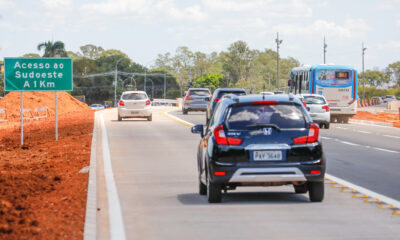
(338, 84)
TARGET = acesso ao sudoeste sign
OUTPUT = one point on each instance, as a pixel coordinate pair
(38, 74)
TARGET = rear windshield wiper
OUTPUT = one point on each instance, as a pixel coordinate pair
(262, 125)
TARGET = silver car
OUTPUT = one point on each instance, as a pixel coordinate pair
(134, 104)
(318, 109)
(196, 99)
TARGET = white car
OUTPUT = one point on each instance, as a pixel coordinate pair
(134, 104)
(318, 109)
(96, 106)
(266, 93)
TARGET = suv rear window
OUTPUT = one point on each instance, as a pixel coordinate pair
(314, 100)
(283, 115)
(200, 93)
(238, 93)
(134, 96)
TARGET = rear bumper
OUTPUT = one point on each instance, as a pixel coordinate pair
(131, 113)
(321, 117)
(350, 110)
(195, 107)
(282, 173)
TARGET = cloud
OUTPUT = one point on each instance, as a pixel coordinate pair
(390, 45)
(6, 4)
(398, 23)
(146, 9)
(56, 4)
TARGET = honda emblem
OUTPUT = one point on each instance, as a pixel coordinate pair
(267, 131)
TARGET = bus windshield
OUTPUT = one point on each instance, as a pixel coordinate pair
(334, 77)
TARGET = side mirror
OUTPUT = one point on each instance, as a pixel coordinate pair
(199, 128)
(208, 99)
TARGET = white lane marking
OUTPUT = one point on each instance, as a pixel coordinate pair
(342, 128)
(364, 132)
(325, 137)
(348, 143)
(385, 150)
(362, 190)
(359, 189)
(117, 230)
(373, 125)
(391, 136)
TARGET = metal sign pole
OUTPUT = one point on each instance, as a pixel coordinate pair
(55, 94)
(21, 113)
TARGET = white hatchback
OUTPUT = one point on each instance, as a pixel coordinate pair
(134, 104)
(318, 108)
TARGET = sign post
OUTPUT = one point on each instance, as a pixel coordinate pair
(38, 74)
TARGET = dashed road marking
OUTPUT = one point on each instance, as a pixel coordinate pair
(391, 136)
(364, 132)
(117, 230)
(385, 150)
(348, 143)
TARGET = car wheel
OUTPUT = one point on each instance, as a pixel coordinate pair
(300, 188)
(316, 191)
(202, 187)
(150, 118)
(214, 194)
(184, 112)
(321, 125)
(326, 125)
(119, 118)
(345, 120)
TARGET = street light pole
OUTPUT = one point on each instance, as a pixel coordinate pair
(325, 46)
(145, 71)
(115, 81)
(165, 84)
(363, 53)
(278, 42)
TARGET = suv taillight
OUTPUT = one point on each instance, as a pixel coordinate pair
(312, 135)
(121, 103)
(187, 98)
(216, 100)
(326, 107)
(148, 102)
(221, 139)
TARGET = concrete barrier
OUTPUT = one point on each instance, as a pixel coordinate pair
(165, 102)
(394, 105)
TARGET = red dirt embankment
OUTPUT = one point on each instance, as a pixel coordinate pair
(42, 193)
(379, 117)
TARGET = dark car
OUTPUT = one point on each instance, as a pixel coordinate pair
(196, 99)
(217, 95)
(258, 140)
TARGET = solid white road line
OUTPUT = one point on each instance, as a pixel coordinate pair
(117, 230)
(391, 136)
(365, 132)
(359, 189)
(385, 150)
(362, 190)
(348, 143)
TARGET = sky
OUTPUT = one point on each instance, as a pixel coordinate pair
(144, 28)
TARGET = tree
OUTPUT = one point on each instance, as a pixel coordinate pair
(210, 81)
(394, 70)
(53, 49)
(31, 55)
(91, 51)
(374, 78)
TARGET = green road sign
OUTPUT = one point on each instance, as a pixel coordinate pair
(38, 74)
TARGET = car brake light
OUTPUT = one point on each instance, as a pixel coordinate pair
(121, 103)
(219, 173)
(312, 135)
(216, 100)
(326, 107)
(221, 139)
(315, 172)
(148, 102)
(264, 102)
(187, 98)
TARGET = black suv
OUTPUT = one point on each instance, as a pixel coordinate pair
(217, 95)
(259, 140)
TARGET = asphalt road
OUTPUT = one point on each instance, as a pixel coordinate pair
(155, 172)
(368, 156)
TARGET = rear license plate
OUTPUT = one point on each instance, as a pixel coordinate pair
(313, 115)
(133, 112)
(267, 155)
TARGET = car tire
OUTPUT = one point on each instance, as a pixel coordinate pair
(214, 194)
(316, 191)
(300, 188)
(202, 187)
(150, 118)
(326, 125)
(119, 118)
(345, 120)
(185, 112)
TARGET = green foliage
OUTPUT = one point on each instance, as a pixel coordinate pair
(374, 78)
(394, 69)
(31, 55)
(372, 91)
(53, 49)
(91, 51)
(210, 81)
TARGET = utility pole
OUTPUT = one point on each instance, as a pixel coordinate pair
(278, 42)
(363, 53)
(201, 74)
(145, 71)
(325, 46)
(165, 84)
(115, 81)
(190, 76)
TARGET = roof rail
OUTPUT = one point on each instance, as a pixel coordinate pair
(231, 96)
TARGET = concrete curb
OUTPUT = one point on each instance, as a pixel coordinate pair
(89, 232)
(371, 122)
